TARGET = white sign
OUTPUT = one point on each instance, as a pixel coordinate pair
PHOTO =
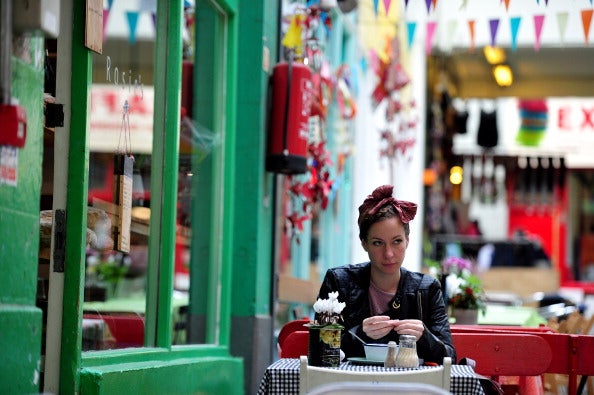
(108, 133)
(569, 131)
(9, 164)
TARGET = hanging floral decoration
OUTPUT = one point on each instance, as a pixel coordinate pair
(391, 77)
(313, 191)
(344, 96)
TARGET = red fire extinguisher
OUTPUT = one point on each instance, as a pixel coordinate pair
(289, 119)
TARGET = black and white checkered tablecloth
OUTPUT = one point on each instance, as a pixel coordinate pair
(282, 378)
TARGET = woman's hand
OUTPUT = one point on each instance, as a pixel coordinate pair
(409, 327)
(377, 326)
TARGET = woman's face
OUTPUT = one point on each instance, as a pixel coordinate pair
(386, 245)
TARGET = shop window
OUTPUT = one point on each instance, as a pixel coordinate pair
(123, 103)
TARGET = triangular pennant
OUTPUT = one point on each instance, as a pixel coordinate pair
(586, 20)
(411, 27)
(538, 23)
(105, 18)
(471, 31)
(451, 29)
(464, 4)
(148, 6)
(514, 26)
(109, 4)
(506, 5)
(429, 39)
(132, 17)
(493, 26)
(428, 3)
(546, 2)
(387, 6)
(562, 18)
(434, 2)
(154, 19)
(405, 3)
(375, 6)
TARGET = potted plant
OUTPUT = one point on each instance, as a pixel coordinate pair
(325, 332)
(463, 289)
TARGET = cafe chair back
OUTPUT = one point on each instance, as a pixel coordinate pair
(295, 345)
(290, 327)
(504, 354)
(357, 388)
(311, 377)
(572, 354)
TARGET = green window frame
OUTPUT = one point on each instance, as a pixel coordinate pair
(215, 97)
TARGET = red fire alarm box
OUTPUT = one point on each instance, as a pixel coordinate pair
(13, 129)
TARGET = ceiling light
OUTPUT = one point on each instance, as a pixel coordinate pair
(494, 55)
(503, 75)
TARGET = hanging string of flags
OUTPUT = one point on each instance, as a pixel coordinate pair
(515, 23)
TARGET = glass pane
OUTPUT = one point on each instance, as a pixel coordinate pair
(202, 158)
(121, 123)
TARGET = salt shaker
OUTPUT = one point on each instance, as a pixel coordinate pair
(407, 352)
(390, 361)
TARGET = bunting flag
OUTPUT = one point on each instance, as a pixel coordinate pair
(506, 5)
(387, 6)
(148, 5)
(586, 20)
(471, 31)
(538, 23)
(562, 18)
(546, 3)
(411, 27)
(105, 18)
(132, 17)
(434, 2)
(405, 3)
(452, 25)
(109, 4)
(464, 4)
(428, 3)
(514, 26)
(493, 26)
(429, 38)
(375, 6)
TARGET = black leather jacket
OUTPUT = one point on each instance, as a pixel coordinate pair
(419, 297)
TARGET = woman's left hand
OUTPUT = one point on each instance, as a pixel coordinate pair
(409, 327)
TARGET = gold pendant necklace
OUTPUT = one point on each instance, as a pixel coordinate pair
(395, 305)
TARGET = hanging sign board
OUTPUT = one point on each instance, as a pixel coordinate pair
(94, 26)
(123, 166)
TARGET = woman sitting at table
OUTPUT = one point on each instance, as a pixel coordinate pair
(383, 299)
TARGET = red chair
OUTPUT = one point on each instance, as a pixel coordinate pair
(295, 345)
(289, 327)
(500, 355)
(127, 330)
(573, 354)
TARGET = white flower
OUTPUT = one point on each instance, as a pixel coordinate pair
(329, 309)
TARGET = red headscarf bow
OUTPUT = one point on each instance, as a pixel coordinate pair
(383, 196)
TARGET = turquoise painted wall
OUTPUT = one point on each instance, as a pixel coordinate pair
(20, 320)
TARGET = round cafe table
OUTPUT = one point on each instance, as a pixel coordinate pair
(282, 377)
